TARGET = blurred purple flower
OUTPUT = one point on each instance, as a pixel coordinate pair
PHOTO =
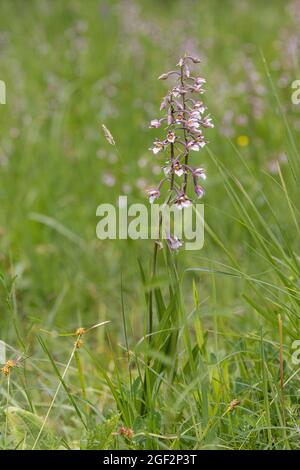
(185, 124)
(199, 191)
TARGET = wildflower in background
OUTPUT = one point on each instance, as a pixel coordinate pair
(185, 120)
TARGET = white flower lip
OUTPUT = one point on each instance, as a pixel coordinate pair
(155, 123)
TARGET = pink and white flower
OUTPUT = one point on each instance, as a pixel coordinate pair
(200, 81)
(173, 242)
(155, 123)
(178, 169)
(198, 85)
(183, 202)
(185, 119)
(199, 191)
(193, 124)
(193, 145)
(199, 173)
(167, 170)
(178, 91)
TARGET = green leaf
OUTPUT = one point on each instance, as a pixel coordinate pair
(100, 437)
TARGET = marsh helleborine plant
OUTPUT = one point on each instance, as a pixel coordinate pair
(184, 121)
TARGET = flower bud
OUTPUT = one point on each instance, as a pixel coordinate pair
(164, 76)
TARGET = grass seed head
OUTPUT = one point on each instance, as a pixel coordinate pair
(233, 404)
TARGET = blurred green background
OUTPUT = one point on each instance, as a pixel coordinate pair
(70, 66)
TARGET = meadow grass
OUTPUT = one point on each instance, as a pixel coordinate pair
(218, 371)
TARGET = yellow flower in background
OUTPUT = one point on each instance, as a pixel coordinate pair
(243, 141)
